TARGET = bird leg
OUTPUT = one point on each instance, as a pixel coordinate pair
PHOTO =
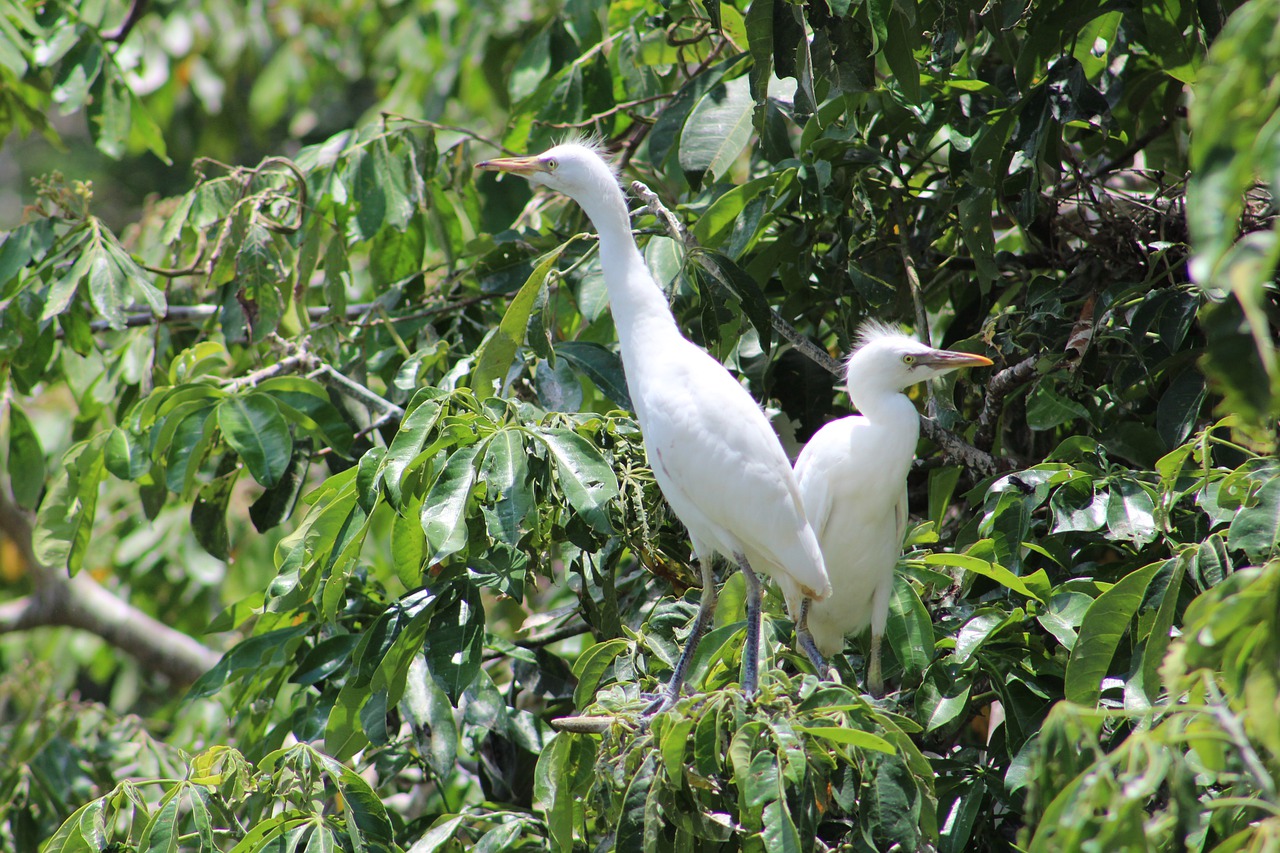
(751, 654)
(805, 641)
(879, 618)
(706, 608)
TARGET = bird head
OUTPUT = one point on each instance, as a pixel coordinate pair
(576, 168)
(888, 361)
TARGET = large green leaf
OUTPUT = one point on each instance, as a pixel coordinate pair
(1104, 625)
(455, 643)
(26, 460)
(602, 366)
(1256, 528)
(505, 472)
(718, 129)
(585, 477)
(494, 357)
(255, 429)
(65, 521)
(444, 512)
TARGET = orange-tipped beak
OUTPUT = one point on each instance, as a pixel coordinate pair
(515, 165)
(950, 360)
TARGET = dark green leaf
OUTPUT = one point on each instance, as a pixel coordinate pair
(1256, 528)
(255, 429)
(743, 288)
(455, 642)
(26, 460)
(1105, 623)
(602, 366)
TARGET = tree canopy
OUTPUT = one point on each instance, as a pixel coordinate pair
(322, 497)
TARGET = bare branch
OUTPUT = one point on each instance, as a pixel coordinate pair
(81, 602)
(1000, 386)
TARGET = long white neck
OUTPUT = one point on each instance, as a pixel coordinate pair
(640, 308)
(890, 410)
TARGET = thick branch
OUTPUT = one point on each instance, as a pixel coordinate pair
(80, 602)
(1000, 386)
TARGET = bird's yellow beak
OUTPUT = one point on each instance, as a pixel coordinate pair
(515, 165)
(945, 359)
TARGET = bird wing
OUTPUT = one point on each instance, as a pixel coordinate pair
(722, 468)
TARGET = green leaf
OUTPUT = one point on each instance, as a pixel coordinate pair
(1131, 512)
(1047, 409)
(1161, 630)
(909, 630)
(899, 53)
(602, 366)
(164, 830)
(109, 113)
(743, 288)
(26, 460)
(255, 429)
(444, 512)
(850, 737)
(591, 666)
(64, 524)
(510, 498)
(455, 644)
(365, 810)
(495, 355)
(209, 514)
(585, 477)
(995, 572)
(106, 288)
(1104, 624)
(780, 834)
(405, 447)
(718, 129)
(1256, 528)
(630, 836)
(551, 791)
(396, 255)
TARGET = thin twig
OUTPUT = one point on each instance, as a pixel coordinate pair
(614, 110)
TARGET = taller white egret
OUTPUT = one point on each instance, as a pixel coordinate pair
(718, 463)
(853, 477)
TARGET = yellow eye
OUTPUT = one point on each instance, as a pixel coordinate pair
(908, 359)
(551, 165)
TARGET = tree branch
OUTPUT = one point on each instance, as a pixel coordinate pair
(1000, 386)
(81, 602)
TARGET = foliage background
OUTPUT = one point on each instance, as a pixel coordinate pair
(321, 499)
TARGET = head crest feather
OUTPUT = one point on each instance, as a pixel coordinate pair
(874, 330)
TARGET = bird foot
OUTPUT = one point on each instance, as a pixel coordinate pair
(662, 701)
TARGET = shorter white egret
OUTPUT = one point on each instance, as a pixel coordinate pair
(715, 457)
(853, 477)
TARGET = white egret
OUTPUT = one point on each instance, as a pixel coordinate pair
(853, 477)
(718, 463)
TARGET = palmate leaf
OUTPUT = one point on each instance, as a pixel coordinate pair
(587, 480)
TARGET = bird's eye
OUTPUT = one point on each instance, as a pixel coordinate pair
(908, 360)
(551, 164)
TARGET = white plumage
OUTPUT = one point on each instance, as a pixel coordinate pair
(853, 478)
(715, 457)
